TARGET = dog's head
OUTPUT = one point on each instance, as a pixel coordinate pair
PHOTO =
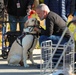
(30, 24)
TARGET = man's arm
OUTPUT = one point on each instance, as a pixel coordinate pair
(49, 28)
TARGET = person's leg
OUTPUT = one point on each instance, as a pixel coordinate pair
(42, 38)
(22, 19)
(54, 39)
(13, 26)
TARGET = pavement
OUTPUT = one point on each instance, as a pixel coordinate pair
(5, 69)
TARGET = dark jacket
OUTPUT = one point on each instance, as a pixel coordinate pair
(75, 5)
(61, 7)
(55, 25)
(12, 7)
(72, 7)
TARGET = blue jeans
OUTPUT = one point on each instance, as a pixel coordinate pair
(13, 26)
(54, 39)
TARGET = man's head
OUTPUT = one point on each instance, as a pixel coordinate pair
(42, 11)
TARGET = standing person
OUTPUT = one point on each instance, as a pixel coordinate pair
(1, 5)
(74, 18)
(55, 26)
(72, 7)
(17, 11)
(72, 10)
(61, 7)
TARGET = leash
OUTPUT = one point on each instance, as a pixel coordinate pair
(31, 45)
(23, 35)
(20, 38)
(18, 42)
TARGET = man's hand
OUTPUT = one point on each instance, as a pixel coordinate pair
(36, 29)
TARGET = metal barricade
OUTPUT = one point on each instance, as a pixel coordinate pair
(56, 58)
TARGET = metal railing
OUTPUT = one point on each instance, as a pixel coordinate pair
(53, 48)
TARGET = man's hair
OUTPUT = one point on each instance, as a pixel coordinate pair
(43, 7)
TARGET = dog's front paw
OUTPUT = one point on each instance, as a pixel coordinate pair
(25, 65)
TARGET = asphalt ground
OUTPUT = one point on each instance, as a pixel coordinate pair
(5, 69)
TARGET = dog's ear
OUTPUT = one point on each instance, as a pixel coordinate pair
(38, 22)
(26, 23)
